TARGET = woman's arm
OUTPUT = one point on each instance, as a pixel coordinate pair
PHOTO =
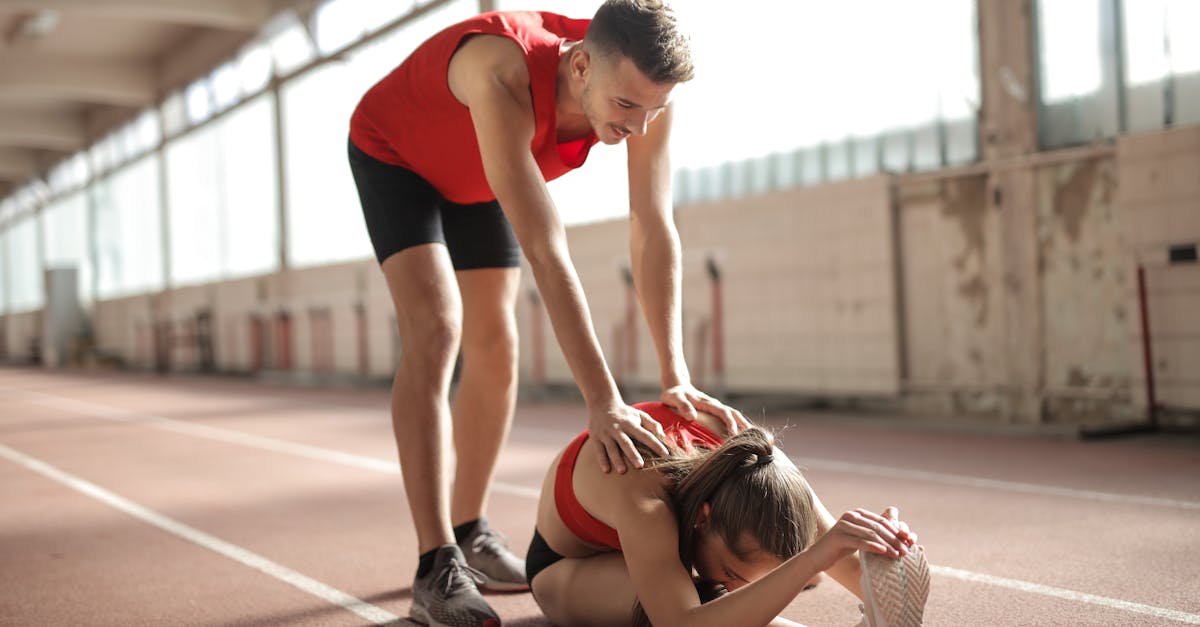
(848, 570)
(649, 539)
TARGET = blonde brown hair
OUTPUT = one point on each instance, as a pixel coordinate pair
(749, 493)
(646, 32)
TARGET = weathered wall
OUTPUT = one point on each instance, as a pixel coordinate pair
(951, 284)
(807, 287)
(20, 333)
(1087, 294)
(1158, 192)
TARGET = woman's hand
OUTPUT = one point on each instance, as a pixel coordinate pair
(863, 530)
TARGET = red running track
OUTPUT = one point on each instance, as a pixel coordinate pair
(142, 500)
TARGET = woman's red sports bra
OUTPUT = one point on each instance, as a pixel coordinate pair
(684, 433)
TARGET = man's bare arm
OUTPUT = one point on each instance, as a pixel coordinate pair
(655, 254)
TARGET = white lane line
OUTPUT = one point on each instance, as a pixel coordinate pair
(376, 615)
(245, 439)
(991, 484)
(1063, 593)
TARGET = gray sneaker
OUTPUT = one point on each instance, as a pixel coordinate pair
(894, 590)
(448, 595)
(487, 551)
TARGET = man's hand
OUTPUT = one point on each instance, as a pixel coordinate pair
(687, 400)
(615, 427)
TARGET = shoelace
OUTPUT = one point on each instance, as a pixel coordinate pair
(459, 576)
(490, 542)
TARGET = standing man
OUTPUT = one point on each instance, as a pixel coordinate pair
(451, 153)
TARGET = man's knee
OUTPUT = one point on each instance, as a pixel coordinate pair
(432, 342)
(493, 348)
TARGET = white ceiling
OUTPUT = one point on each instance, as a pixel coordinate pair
(71, 70)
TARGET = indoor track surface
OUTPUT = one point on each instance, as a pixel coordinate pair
(142, 500)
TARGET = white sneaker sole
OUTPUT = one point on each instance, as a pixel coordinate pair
(894, 590)
(422, 617)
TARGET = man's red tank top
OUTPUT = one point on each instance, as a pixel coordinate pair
(411, 119)
(685, 434)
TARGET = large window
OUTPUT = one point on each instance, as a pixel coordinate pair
(5, 280)
(222, 194)
(65, 227)
(25, 268)
(812, 93)
(324, 221)
(1112, 66)
(129, 229)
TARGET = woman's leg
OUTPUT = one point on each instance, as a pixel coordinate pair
(587, 591)
(593, 591)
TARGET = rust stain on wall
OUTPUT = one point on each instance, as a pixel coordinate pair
(965, 200)
(975, 291)
(1072, 198)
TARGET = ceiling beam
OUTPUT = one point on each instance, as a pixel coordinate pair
(17, 165)
(55, 131)
(197, 57)
(33, 78)
(223, 14)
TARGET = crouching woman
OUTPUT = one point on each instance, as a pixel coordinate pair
(723, 531)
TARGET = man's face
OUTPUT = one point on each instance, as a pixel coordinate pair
(619, 100)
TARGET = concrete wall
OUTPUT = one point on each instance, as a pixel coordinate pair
(951, 278)
(807, 293)
(1088, 294)
(1158, 192)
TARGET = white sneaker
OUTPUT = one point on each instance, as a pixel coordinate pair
(894, 590)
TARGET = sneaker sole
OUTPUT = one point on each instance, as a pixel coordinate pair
(894, 590)
(419, 615)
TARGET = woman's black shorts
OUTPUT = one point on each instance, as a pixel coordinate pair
(539, 557)
(403, 210)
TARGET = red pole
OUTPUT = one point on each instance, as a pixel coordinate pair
(718, 324)
(363, 363)
(283, 336)
(1147, 357)
(631, 336)
(701, 355)
(256, 343)
(630, 332)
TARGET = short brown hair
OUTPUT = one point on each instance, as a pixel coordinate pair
(646, 32)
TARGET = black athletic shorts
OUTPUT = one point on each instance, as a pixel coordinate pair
(403, 210)
(539, 557)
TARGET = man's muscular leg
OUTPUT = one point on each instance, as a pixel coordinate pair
(429, 317)
(487, 389)
(483, 411)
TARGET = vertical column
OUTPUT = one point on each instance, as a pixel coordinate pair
(280, 175)
(164, 208)
(5, 281)
(1008, 129)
